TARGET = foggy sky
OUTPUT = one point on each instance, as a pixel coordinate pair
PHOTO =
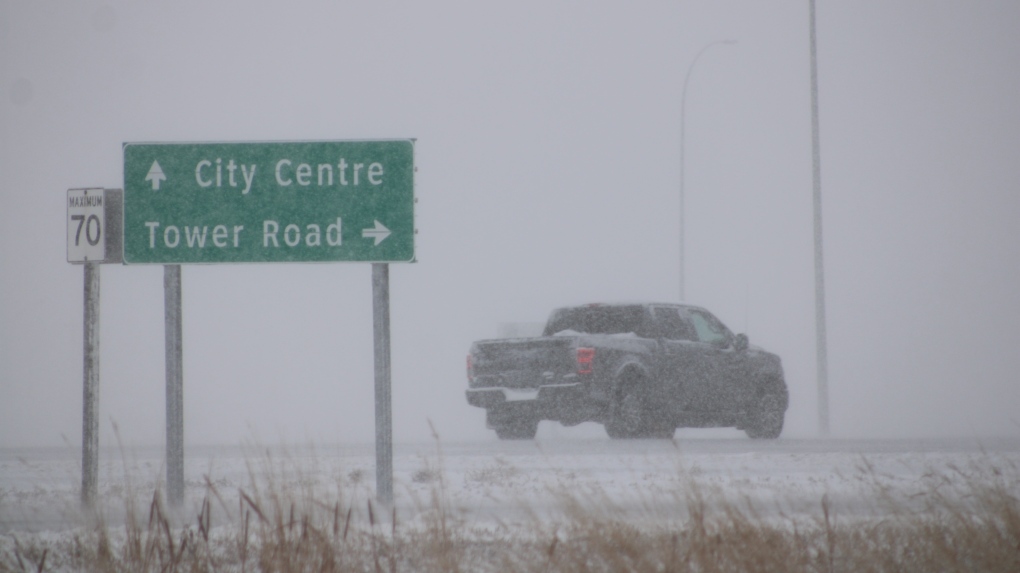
(548, 174)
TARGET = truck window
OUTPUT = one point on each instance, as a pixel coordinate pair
(597, 320)
(671, 325)
(709, 329)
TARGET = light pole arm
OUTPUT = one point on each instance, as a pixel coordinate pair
(683, 119)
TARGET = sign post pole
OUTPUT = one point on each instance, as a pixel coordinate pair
(90, 385)
(174, 386)
(383, 408)
(93, 238)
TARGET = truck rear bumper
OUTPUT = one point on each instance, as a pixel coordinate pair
(569, 403)
(489, 397)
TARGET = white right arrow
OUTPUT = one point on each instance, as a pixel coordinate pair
(379, 233)
(155, 175)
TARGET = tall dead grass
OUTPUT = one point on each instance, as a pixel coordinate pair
(965, 519)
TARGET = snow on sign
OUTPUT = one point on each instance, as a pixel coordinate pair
(93, 225)
(269, 202)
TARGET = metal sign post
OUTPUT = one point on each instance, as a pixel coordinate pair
(383, 407)
(90, 389)
(93, 237)
(174, 386)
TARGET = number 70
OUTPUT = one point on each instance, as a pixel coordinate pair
(87, 224)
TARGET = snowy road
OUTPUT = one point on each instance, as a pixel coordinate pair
(498, 482)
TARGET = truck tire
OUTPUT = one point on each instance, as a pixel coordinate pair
(765, 421)
(630, 418)
(626, 420)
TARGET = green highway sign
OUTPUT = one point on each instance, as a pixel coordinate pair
(269, 202)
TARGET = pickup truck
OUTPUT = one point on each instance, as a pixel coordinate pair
(641, 370)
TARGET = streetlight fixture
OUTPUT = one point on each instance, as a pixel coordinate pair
(683, 114)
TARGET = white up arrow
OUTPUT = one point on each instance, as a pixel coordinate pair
(379, 233)
(155, 175)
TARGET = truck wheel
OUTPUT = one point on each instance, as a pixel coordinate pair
(766, 420)
(517, 429)
(626, 419)
(630, 417)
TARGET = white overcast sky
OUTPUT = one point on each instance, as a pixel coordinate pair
(548, 174)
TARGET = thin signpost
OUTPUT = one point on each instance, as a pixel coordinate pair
(383, 401)
(93, 237)
(90, 388)
(174, 384)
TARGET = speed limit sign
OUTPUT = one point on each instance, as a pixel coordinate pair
(93, 225)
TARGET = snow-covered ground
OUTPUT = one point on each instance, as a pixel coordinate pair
(489, 481)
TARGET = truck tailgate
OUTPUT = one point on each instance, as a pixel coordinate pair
(523, 362)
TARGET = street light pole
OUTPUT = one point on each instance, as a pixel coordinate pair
(821, 345)
(683, 115)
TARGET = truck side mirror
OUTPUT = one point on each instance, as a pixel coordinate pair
(740, 342)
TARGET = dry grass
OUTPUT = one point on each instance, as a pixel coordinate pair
(967, 519)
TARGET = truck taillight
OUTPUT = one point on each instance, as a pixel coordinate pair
(585, 358)
(470, 369)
